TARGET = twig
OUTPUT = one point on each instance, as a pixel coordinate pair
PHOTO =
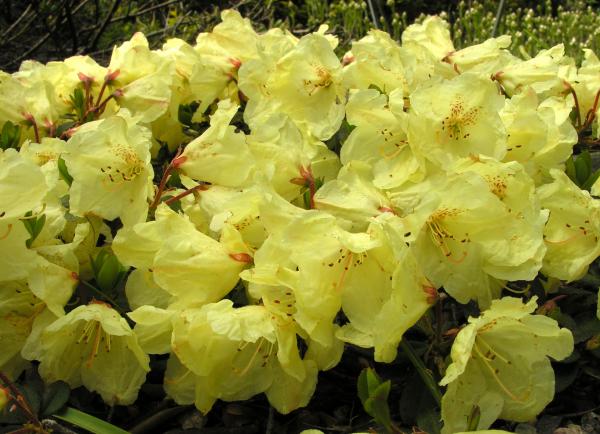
(165, 178)
(199, 187)
(372, 11)
(103, 26)
(16, 22)
(576, 102)
(128, 16)
(498, 17)
(71, 27)
(43, 39)
(21, 30)
(180, 20)
(21, 401)
(591, 114)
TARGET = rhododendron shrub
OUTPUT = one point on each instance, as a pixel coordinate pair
(252, 204)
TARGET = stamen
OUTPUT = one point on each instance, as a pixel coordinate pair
(340, 282)
(177, 379)
(485, 361)
(438, 235)
(490, 349)
(571, 238)
(518, 291)
(94, 352)
(87, 329)
(395, 152)
(247, 368)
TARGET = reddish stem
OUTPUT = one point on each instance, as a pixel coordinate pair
(108, 78)
(576, 100)
(200, 187)
(51, 127)
(19, 399)
(29, 118)
(99, 109)
(591, 114)
(165, 178)
(310, 181)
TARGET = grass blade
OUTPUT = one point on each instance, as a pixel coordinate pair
(88, 422)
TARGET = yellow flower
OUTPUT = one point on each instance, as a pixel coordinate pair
(94, 346)
(109, 161)
(451, 119)
(500, 364)
(572, 234)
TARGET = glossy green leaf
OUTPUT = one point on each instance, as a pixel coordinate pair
(570, 169)
(78, 102)
(55, 397)
(583, 167)
(64, 172)
(373, 395)
(108, 271)
(587, 185)
(88, 422)
(10, 135)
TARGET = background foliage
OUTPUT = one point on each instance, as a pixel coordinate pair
(54, 29)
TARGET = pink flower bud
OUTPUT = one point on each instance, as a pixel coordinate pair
(241, 257)
(235, 62)
(178, 161)
(86, 79)
(112, 76)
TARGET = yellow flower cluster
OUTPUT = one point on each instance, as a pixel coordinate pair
(260, 252)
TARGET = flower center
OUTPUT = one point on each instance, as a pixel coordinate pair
(456, 123)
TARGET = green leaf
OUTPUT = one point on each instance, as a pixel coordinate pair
(64, 172)
(565, 375)
(417, 406)
(185, 113)
(570, 169)
(373, 395)
(10, 135)
(88, 422)
(428, 420)
(377, 406)
(592, 371)
(78, 102)
(55, 397)
(108, 271)
(583, 167)
(34, 226)
(587, 185)
(363, 385)
(422, 370)
(63, 128)
(33, 394)
(37, 226)
(588, 325)
(306, 199)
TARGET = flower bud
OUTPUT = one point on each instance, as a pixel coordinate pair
(112, 76)
(108, 271)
